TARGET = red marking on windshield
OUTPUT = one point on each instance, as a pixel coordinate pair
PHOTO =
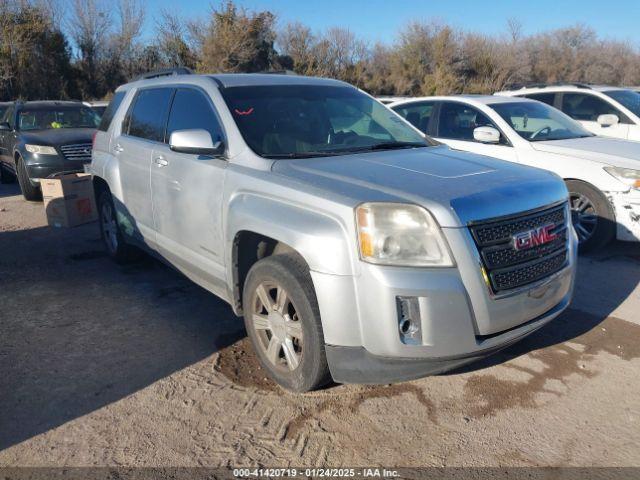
(244, 112)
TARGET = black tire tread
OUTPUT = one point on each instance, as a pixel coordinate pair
(126, 253)
(293, 265)
(29, 192)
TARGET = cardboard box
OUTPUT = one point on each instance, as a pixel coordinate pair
(69, 200)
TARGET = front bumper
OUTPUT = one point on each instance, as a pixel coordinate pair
(48, 166)
(626, 206)
(357, 365)
(460, 319)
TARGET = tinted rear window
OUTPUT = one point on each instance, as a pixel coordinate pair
(111, 110)
(149, 114)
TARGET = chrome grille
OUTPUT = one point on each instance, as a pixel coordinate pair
(508, 268)
(78, 151)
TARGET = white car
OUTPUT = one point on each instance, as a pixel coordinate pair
(386, 100)
(607, 111)
(602, 174)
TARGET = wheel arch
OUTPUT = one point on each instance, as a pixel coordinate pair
(259, 227)
(609, 203)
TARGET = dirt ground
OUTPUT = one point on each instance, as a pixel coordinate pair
(108, 365)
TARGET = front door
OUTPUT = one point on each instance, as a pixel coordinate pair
(455, 127)
(586, 108)
(187, 194)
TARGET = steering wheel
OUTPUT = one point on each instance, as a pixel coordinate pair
(346, 138)
(539, 132)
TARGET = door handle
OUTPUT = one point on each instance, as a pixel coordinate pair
(118, 148)
(160, 161)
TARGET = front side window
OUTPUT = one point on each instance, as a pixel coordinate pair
(289, 121)
(149, 114)
(536, 121)
(585, 107)
(627, 98)
(458, 121)
(45, 118)
(191, 110)
(417, 114)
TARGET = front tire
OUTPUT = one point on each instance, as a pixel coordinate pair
(282, 318)
(112, 237)
(29, 192)
(592, 216)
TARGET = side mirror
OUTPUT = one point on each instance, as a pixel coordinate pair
(196, 141)
(486, 135)
(608, 120)
(4, 126)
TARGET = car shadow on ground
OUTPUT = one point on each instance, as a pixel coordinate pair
(9, 189)
(613, 273)
(78, 332)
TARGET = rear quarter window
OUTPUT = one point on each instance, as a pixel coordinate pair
(111, 110)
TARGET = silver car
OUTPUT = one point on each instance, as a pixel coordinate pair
(355, 249)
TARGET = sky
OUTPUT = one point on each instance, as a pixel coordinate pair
(379, 20)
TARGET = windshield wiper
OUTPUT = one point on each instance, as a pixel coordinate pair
(385, 146)
(299, 155)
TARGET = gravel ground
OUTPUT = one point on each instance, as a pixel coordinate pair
(108, 365)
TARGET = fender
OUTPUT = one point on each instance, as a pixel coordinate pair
(321, 239)
(105, 166)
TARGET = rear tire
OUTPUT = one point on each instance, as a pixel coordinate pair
(29, 192)
(592, 216)
(112, 237)
(286, 334)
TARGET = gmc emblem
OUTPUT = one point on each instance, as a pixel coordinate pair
(535, 237)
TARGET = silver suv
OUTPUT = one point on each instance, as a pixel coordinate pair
(356, 249)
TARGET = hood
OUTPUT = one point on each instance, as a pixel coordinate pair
(57, 136)
(611, 151)
(457, 187)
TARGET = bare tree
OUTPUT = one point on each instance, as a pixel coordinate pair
(173, 42)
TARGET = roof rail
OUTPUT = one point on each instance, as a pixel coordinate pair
(279, 72)
(517, 86)
(167, 72)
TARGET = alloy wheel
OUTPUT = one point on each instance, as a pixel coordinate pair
(277, 326)
(109, 227)
(583, 216)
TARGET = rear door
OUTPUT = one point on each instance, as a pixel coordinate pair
(455, 125)
(142, 130)
(587, 107)
(187, 193)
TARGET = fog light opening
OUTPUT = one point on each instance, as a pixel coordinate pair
(409, 320)
(405, 326)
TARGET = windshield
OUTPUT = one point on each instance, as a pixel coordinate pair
(628, 98)
(298, 121)
(536, 121)
(58, 117)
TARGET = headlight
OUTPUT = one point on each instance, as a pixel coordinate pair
(41, 149)
(400, 234)
(627, 176)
